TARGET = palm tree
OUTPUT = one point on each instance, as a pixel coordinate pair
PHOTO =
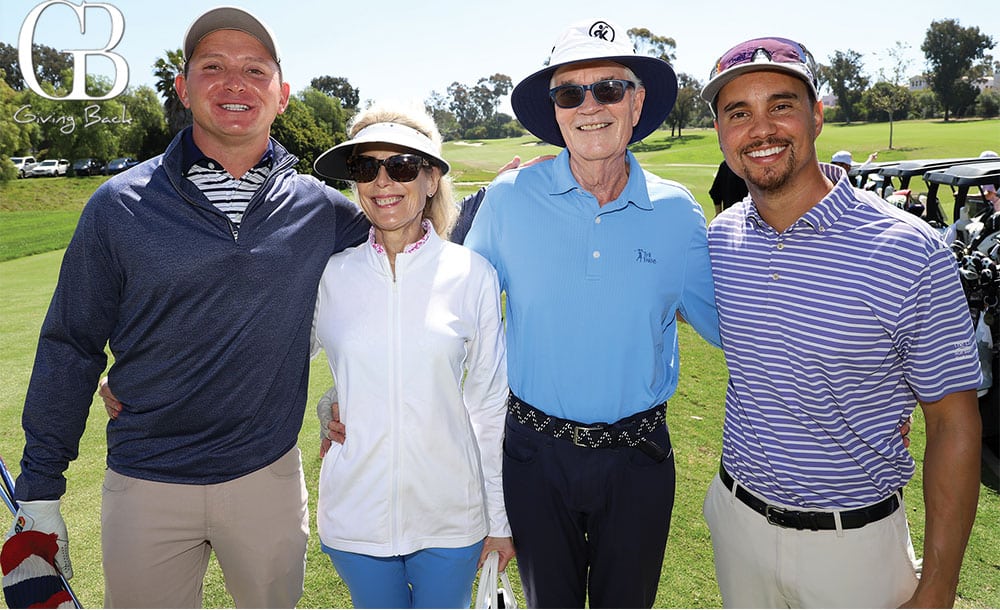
(166, 70)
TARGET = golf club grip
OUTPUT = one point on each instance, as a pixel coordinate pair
(8, 498)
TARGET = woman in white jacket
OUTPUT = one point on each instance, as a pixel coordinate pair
(412, 501)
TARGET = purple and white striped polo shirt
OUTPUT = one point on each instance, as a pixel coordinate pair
(832, 331)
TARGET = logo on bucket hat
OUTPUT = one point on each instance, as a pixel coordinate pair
(603, 30)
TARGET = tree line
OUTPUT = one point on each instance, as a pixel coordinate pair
(141, 121)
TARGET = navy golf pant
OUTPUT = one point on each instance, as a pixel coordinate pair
(587, 521)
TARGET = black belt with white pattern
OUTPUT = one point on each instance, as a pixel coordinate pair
(628, 432)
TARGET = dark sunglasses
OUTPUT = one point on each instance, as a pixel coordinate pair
(777, 50)
(610, 91)
(401, 168)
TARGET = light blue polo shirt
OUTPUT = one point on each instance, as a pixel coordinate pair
(593, 292)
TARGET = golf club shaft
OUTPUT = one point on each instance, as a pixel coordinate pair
(8, 500)
(8, 481)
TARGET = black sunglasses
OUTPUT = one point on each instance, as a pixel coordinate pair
(401, 168)
(610, 91)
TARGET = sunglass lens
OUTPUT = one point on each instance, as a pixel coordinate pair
(403, 168)
(609, 91)
(362, 169)
(569, 96)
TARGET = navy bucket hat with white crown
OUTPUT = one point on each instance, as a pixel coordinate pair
(594, 40)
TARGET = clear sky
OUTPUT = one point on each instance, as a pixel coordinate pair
(403, 50)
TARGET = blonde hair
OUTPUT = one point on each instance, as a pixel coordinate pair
(440, 208)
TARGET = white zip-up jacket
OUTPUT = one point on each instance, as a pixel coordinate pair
(420, 366)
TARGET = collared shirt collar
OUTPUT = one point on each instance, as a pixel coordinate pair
(191, 155)
(826, 212)
(635, 192)
(425, 224)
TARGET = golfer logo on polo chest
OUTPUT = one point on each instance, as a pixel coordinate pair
(602, 30)
(644, 256)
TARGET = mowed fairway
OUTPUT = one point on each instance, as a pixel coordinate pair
(31, 210)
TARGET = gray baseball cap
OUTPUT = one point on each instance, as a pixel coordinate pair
(230, 18)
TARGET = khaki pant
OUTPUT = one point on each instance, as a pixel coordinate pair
(157, 538)
(760, 565)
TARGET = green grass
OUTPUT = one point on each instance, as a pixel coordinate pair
(29, 208)
(39, 214)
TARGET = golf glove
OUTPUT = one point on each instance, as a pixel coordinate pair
(44, 516)
(323, 410)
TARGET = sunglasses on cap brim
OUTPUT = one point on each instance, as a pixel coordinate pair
(609, 91)
(774, 50)
(400, 168)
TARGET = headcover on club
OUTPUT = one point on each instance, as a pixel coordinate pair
(30, 579)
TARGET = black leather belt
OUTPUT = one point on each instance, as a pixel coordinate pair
(628, 432)
(810, 520)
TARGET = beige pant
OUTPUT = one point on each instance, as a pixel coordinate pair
(157, 538)
(759, 565)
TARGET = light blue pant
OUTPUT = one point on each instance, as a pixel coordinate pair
(428, 578)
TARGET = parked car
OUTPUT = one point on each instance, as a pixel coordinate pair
(24, 165)
(117, 166)
(51, 167)
(87, 166)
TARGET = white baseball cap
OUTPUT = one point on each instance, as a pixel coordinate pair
(769, 53)
(842, 156)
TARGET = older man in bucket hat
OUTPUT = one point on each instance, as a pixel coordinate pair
(598, 258)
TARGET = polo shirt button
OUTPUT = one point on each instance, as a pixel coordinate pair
(781, 246)
(775, 276)
(597, 254)
(597, 220)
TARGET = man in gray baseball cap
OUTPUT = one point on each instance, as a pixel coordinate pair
(597, 258)
(230, 18)
(199, 270)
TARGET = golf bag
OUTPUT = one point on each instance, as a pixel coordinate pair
(979, 270)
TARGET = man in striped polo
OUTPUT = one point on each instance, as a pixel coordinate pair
(838, 314)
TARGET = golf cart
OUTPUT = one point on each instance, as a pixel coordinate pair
(861, 175)
(898, 176)
(974, 215)
(978, 256)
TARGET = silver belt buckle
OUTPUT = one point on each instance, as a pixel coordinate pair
(771, 513)
(577, 430)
